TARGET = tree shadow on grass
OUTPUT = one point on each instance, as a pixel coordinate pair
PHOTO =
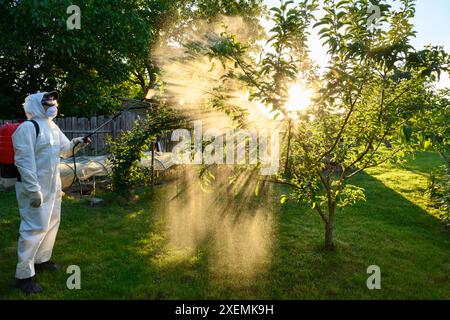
(410, 247)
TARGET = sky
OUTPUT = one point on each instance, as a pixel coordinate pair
(432, 23)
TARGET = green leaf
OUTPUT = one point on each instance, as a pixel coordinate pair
(406, 134)
(428, 144)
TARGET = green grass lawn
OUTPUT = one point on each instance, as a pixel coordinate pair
(180, 243)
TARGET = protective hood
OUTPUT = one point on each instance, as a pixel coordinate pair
(33, 106)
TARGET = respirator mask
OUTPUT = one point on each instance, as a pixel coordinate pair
(50, 103)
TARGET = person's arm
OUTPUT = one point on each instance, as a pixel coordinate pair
(24, 141)
(67, 146)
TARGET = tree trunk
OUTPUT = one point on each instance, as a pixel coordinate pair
(329, 245)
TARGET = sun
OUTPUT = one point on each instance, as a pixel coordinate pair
(299, 98)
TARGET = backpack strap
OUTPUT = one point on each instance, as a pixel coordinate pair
(36, 126)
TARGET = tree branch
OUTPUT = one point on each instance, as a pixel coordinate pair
(341, 131)
(320, 212)
(282, 183)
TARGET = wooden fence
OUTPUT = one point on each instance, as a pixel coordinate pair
(78, 127)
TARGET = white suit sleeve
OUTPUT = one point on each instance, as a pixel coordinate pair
(24, 140)
(66, 145)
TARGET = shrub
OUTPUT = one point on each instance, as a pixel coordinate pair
(129, 147)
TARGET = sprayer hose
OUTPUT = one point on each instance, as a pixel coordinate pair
(75, 176)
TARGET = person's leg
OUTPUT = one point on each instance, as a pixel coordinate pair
(44, 252)
(28, 245)
(29, 241)
(33, 228)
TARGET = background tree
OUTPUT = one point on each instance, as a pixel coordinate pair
(431, 126)
(173, 21)
(89, 66)
(109, 56)
(431, 130)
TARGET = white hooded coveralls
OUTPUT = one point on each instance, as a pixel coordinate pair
(37, 159)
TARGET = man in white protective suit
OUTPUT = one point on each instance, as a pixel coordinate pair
(38, 147)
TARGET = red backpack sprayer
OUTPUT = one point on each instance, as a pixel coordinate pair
(8, 169)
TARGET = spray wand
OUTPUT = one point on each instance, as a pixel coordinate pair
(137, 105)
